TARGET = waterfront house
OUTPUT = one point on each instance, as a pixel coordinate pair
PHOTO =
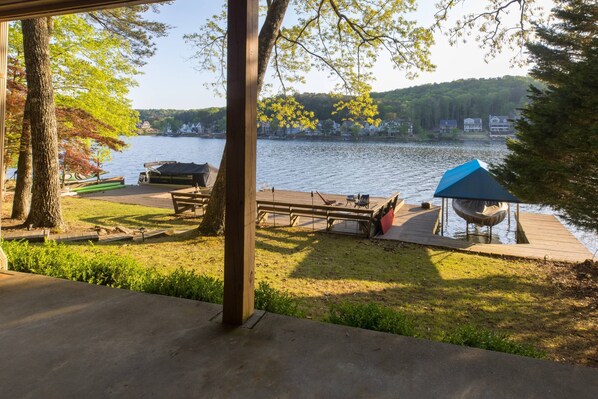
(499, 125)
(191, 128)
(446, 125)
(471, 125)
(396, 127)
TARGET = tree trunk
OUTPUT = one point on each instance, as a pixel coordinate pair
(213, 220)
(22, 200)
(267, 38)
(45, 203)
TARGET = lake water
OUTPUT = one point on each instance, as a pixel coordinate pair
(378, 169)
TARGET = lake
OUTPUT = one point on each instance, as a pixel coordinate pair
(374, 168)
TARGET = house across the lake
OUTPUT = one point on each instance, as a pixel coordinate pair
(471, 125)
(446, 125)
(499, 125)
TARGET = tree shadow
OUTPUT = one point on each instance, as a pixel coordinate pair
(439, 289)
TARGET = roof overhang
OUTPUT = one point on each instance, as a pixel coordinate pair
(15, 10)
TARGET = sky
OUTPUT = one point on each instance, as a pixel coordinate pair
(170, 79)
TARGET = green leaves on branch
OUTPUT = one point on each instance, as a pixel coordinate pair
(495, 24)
(360, 109)
(286, 112)
(343, 38)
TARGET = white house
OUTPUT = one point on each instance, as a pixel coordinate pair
(499, 125)
(472, 125)
(190, 128)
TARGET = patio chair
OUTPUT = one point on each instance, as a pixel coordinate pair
(363, 201)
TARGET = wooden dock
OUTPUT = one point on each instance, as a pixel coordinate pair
(547, 238)
(308, 210)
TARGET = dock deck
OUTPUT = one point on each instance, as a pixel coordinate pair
(547, 238)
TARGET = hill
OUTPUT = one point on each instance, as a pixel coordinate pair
(424, 105)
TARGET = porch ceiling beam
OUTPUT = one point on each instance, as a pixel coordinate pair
(16, 10)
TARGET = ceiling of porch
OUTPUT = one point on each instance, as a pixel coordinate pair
(13, 9)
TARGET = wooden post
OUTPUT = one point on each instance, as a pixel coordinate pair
(442, 218)
(241, 134)
(3, 77)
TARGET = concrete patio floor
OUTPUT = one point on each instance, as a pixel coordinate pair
(63, 339)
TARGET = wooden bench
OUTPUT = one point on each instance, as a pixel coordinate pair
(367, 219)
(186, 201)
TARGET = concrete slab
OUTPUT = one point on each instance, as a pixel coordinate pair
(62, 339)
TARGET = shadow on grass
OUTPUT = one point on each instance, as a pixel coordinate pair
(440, 289)
(154, 221)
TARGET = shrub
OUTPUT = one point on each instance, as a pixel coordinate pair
(185, 284)
(272, 300)
(476, 337)
(58, 260)
(371, 316)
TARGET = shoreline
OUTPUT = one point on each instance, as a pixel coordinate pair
(363, 139)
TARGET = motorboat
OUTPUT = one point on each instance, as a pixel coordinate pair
(178, 173)
(483, 213)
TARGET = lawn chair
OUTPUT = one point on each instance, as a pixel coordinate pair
(327, 202)
(363, 201)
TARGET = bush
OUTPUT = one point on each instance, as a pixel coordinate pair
(272, 300)
(184, 284)
(58, 260)
(476, 337)
(371, 316)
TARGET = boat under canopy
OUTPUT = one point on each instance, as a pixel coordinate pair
(477, 196)
(179, 173)
(482, 213)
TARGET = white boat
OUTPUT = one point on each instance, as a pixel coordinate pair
(483, 213)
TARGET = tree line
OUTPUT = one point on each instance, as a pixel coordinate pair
(424, 105)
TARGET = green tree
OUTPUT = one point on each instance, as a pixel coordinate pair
(94, 57)
(553, 160)
(343, 37)
(346, 38)
(45, 203)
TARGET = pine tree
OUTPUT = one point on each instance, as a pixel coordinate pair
(554, 159)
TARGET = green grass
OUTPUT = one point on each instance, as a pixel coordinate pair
(477, 337)
(61, 261)
(79, 212)
(371, 316)
(436, 289)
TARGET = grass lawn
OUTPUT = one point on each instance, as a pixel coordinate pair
(544, 304)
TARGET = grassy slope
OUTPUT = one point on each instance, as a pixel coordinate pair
(438, 288)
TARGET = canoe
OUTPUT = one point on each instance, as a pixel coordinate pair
(101, 185)
(94, 189)
(483, 213)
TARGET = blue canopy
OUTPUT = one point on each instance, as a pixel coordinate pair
(472, 180)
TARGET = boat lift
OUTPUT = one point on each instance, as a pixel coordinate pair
(472, 181)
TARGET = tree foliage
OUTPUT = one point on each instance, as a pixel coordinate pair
(94, 58)
(494, 24)
(553, 159)
(425, 105)
(344, 38)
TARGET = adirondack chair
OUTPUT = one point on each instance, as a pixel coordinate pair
(363, 201)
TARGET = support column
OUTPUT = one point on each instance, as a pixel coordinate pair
(241, 134)
(3, 77)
